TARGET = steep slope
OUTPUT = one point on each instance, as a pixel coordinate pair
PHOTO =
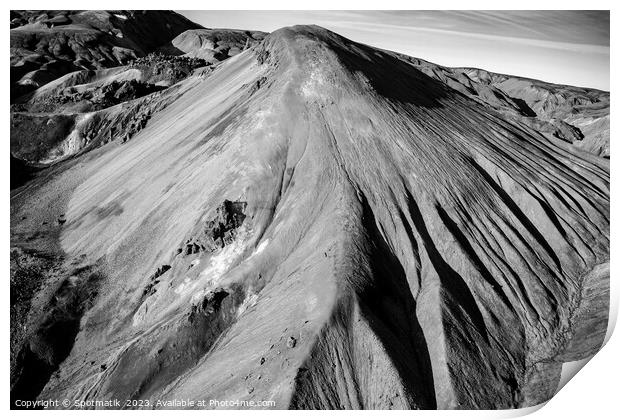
(582, 108)
(321, 224)
(576, 115)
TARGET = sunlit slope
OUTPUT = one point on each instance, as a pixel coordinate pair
(321, 224)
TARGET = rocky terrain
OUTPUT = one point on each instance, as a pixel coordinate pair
(81, 78)
(214, 45)
(310, 221)
(48, 44)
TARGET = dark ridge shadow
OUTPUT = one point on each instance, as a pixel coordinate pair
(168, 26)
(523, 219)
(524, 108)
(169, 49)
(21, 172)
(471, 254)
(389, 302)
(451, 281)
(551, 215)
(395, 79)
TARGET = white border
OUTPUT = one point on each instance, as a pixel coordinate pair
(592, 394)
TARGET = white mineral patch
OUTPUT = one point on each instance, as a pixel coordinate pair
(261, 247)
(249, 301)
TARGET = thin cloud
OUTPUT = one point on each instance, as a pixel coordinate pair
(566, 47)
(382, 27)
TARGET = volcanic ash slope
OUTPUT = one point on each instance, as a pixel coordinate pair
(321, 224)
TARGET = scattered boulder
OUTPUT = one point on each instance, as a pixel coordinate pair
(219, 232)
(170, 69)
(161, 270)
(193, 248)
(291, 342)
(209, 304)
(230, 216)
(149, 289)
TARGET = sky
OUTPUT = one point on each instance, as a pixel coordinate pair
(567, 47)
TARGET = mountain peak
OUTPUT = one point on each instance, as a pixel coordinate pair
(301, 41)
(326, 63)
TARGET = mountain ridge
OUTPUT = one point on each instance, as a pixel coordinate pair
(381, 233)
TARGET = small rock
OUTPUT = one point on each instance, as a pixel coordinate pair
(250, 390)
(103, 367)
(262, 360)
(291, 342)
